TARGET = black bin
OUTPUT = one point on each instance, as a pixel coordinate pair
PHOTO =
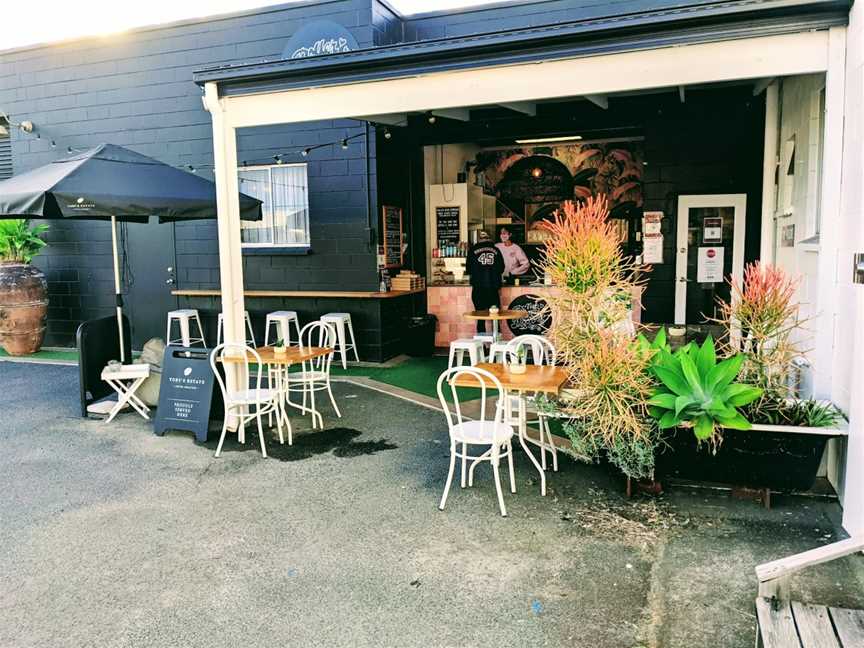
(420, 336)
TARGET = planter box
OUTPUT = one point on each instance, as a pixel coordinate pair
(777, 457)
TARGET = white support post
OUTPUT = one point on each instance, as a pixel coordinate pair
(824, 325)
(769, 171)
(228, 221)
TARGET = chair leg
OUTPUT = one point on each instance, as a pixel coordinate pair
(219, 332)
(510, 467)
(222, 436)
(464, 465)
(251, 332)
(552, 447)
(353, 341)
(340, 340)
(168, 332)
(267, 324)
(260, 431)
(184, 332)
(450, 359)
(449, 475)
(498, 487)
(333, 400)
(200, 330)
(297, 328)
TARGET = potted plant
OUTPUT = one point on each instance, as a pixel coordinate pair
(279, 347)
(604, 413)
(516, 364)
(23, 289)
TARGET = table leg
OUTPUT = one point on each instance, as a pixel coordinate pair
(523, 430)
(494, 330)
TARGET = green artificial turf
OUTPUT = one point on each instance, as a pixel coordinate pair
(66, 356)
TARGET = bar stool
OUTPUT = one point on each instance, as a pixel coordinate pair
(282, 319)
(497, 349)
(183, 317)
(338, 322)
(250, 340)
(472, 346)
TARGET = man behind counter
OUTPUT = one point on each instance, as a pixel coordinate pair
(485, 265)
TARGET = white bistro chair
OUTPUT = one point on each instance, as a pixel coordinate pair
(184, 318)
(241, 401)
(250, 340)
(314, 375)
(342, 326)
(495, 435)
(281, 320)
(542, 352)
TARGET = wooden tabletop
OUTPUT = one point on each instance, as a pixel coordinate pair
(537, 378)
(292, 355)
(500, 315)
(336, 294)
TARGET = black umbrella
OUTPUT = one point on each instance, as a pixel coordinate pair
(110, 182)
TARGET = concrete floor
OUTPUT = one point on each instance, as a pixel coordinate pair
(111, 536)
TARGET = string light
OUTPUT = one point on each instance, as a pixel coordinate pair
(431, 118)
(278, 159)
(344, 144)
(387, 133)
(305, 152)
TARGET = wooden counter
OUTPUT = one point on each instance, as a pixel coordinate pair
(335, 294)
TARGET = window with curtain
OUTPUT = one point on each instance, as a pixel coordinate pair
(284, 191)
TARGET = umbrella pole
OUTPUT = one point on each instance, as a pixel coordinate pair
(118, 295)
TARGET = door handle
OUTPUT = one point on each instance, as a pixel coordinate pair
(684, 279)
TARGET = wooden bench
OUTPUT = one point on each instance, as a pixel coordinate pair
(789, 624)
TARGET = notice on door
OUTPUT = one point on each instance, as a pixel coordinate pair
(709, 268)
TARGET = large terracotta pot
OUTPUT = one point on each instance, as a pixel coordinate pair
(23, 308)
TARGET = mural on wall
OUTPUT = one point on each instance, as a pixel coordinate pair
(530, 183)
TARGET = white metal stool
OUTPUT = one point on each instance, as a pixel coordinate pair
(250, 340)
(183, 317)
(282, 319)
(472, 346)
(498, 349)
(338, 322)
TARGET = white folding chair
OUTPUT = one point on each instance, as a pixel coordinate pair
(241, 400)
(314, 375)
(542, 352)
(496, 434)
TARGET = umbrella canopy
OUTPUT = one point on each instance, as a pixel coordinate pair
(110, 180)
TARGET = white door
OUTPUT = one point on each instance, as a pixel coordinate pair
(710, 248)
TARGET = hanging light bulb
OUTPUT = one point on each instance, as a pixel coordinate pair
(68, 149)
(344, 143)
(387, 133)
(278, 159)
(306, 152)
(191, 168)
(430, 117)
(53, 143)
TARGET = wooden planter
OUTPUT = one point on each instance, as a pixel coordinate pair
(775, 457)
(23, 308)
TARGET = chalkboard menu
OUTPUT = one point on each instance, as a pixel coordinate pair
(392, 226)
(185, 392)
(447, 224)
(537, 320)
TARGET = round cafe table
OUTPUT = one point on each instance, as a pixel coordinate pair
(501, 315)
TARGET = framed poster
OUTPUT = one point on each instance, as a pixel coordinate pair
(712, 229)
(391, 223)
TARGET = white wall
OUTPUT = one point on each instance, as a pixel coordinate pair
(850, 297)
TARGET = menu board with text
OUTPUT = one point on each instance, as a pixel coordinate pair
(447, 224)
(392, 236)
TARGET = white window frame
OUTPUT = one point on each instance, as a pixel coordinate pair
(269, 168)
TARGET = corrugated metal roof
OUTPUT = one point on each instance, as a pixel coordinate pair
(651, 27)
(5, 157)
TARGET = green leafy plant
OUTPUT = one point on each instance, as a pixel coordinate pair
(694, 389)
(803, 413)
(19, 242)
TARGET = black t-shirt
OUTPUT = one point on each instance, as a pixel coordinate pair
(485, 264)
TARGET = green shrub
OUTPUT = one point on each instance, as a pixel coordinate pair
(19, 242)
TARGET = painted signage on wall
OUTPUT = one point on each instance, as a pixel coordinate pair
(447, 224)
(320, 38)
(537, 321)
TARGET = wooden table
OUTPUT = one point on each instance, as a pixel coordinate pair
(495, 318)
(292, 355)
(545, 379)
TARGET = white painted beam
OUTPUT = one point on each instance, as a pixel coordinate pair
(460, 114)
(525, 107)
(395, 119)
(228, 228)
(754, 58)
(599, 100)
(760, 86)
(769, 171)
